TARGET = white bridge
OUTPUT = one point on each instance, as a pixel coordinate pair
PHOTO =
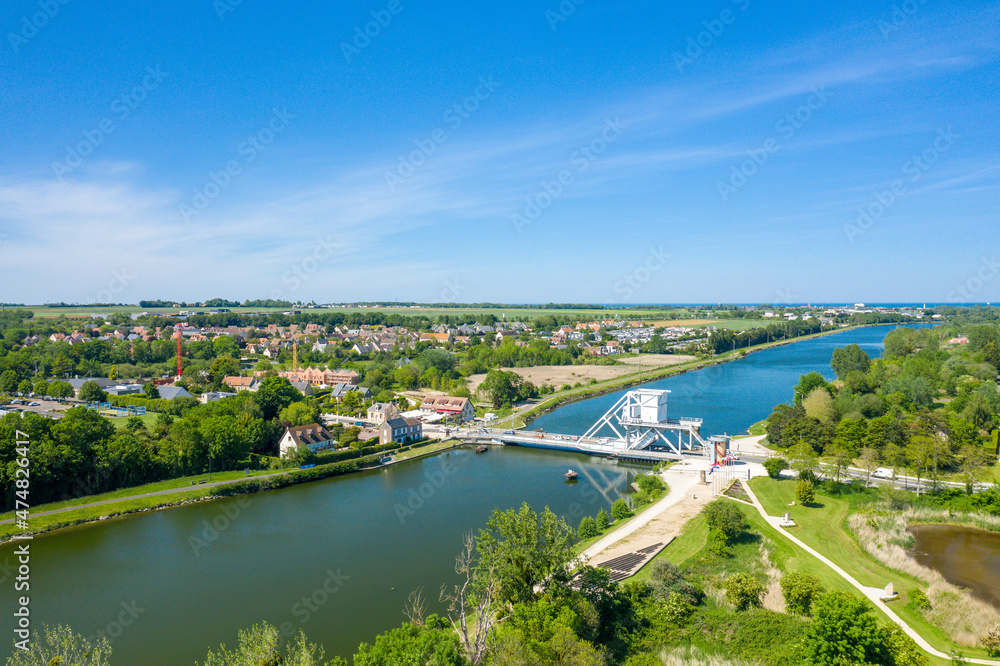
(636, 427)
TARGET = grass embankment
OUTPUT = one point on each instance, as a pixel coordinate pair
(823, 526)
(124, 502)
(643, 504)
(761, 552)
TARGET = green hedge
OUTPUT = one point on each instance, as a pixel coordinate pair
(351, 454)
(294, 477)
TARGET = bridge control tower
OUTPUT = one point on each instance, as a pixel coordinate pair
(639, 420)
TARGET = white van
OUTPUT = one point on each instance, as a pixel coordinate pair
(883, 473)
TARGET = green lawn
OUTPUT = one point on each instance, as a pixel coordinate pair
(148, 419)
(823, 527)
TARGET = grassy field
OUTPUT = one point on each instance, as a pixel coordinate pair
(815, 528)
(149, 419)
(690, 550)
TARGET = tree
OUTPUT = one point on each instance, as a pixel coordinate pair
(223, 345)
(522, 549)
(411, 644)
(620, 510)
(276, 393)
(221, 368)
(805, 493)
(262, 645)
(92, 392)
(819, 405)
(844, 631)
(807, 383)
(151, 391)
(59, 645)
(725, 521)
(870, 460)
(803, 459)
(8, 381)
(849, 359)
(744, 591)
(502, 387)
(972, 465)
(474, 604)
(24, 387)
(601, 522)
(587, 529)
(838, 457)
(300, 414)
(41, 387)
(775, 466)
(60, 389)
(800, 590)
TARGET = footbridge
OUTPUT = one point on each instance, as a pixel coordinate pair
(635, 428)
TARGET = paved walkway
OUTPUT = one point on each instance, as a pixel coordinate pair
(872, 594)
(659, 523)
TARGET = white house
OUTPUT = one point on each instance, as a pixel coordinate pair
(315, 436)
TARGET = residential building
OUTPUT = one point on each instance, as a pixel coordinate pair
(380, 412)
(313, 436)
(401, 430)
(460, 408)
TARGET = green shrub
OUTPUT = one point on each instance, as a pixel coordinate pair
(775, 466)
(744, 591)
(919, 599)
(601, 522)
(587, 528)
(620, 510)
(725, 521)
(991, 641)
(805, 492)
(799, 590)
(677, 608)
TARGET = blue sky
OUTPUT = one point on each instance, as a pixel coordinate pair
(738, 151)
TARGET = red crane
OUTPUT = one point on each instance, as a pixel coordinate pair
(179, 351)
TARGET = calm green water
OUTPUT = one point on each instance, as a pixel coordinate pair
(965, 556)
(338, 558)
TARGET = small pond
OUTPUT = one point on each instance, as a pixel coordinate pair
(965, 556)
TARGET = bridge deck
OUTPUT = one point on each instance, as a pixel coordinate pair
(567, 443)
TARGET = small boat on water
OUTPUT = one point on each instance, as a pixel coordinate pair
(571, 474)
(481, 448)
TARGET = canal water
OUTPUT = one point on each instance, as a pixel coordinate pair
(338, 558)
(729, 397)
(965, 556)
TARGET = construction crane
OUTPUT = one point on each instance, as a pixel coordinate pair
(180, 327)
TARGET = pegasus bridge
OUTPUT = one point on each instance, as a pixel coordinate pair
(637, 427)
